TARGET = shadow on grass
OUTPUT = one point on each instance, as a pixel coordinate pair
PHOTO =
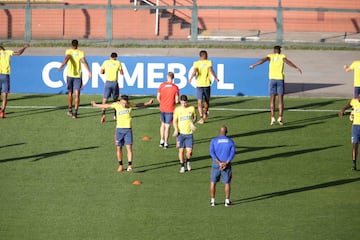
(12, 145)
(41, 156)
(296, 190)
(29, 112)
(284, 154)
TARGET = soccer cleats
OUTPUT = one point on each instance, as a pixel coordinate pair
(182, 169)
(103, 119)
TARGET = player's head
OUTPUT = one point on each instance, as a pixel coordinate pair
(277, 49)
(2, 48)
(113, 55)
(183, 100)
(124, 97)
(75, 43)
(170, 76)
(203, 54)
(223, 130)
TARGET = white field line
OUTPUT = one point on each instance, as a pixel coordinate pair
(211, 109)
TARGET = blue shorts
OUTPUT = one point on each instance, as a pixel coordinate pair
(356, 92)
(355, 134)
(276, 87)
(73, 84)
(4, 83)
(226, 174)
(123, 136)
(111, 88)
(185, 141)
(203, 93)
(166, 117)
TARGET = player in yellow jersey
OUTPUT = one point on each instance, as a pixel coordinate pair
(355, 66)
(111, 68)
(123, 132)
(204, 72)
(73, 58)
(5, 56)
(183, 122)
(355, 132)
(276, 80)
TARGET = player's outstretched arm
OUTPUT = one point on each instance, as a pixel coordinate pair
(291, 64)
(94, 104)
(21, 51)
(342, 111)
(347, 68)
(151, 101)
(261, 61)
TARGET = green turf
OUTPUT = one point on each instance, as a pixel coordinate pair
(59, 181)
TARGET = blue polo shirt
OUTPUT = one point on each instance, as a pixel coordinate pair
(222, 148)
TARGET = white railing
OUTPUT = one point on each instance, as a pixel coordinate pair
(156, 12)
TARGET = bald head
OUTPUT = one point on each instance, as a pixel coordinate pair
(223, 130)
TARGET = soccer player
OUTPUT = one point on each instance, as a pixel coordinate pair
(123, 133)
(276, 80)
(203, 70)
(73, 58)
(355, 133)
(168, 97)
(222, 151)
(355, 66)
(183, 122)
(111, 68)
(5, 56)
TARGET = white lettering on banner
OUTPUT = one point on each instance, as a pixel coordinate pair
(95, 72)
(138, 74)
(179, 71)
(155, 75)
(152, 74)
(220, 74)
(46, 75)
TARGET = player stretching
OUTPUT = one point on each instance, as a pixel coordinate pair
(111, 68)
(203, 70)
(355, 133)
(168, 97)
(73, 58)
(355, 66)
(5, 56)
(123, 133)
(276, 80)
(184, 119)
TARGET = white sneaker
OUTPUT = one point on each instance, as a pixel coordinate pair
(280, 121)
(166, 146)
(227, 203)
(272, 121)
(212, 204)
(188, 166)
(129, 169)
(182, 169)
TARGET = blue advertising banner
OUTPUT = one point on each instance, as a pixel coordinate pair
(142, 75)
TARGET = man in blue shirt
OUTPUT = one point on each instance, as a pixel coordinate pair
(222, 151)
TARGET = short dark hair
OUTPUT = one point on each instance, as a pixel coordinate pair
(125, 97)
(171, 75)
(2, 48)
(278, 48)
(183, 98)
(74, 43)
(203, 53)
(113, 55)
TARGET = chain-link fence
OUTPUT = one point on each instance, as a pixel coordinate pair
(253, 22)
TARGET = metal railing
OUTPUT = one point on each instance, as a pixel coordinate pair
(28, 7)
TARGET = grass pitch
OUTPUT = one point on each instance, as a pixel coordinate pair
(58, 176)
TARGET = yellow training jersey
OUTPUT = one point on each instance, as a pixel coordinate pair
(111, 68)
(184, 118)
(5, 56)
(123, 114)
(204, 76)
(355, 66)
(276, 66)
(355, 103)
(74, 63)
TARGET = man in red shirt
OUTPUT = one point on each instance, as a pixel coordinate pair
(168, 97)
